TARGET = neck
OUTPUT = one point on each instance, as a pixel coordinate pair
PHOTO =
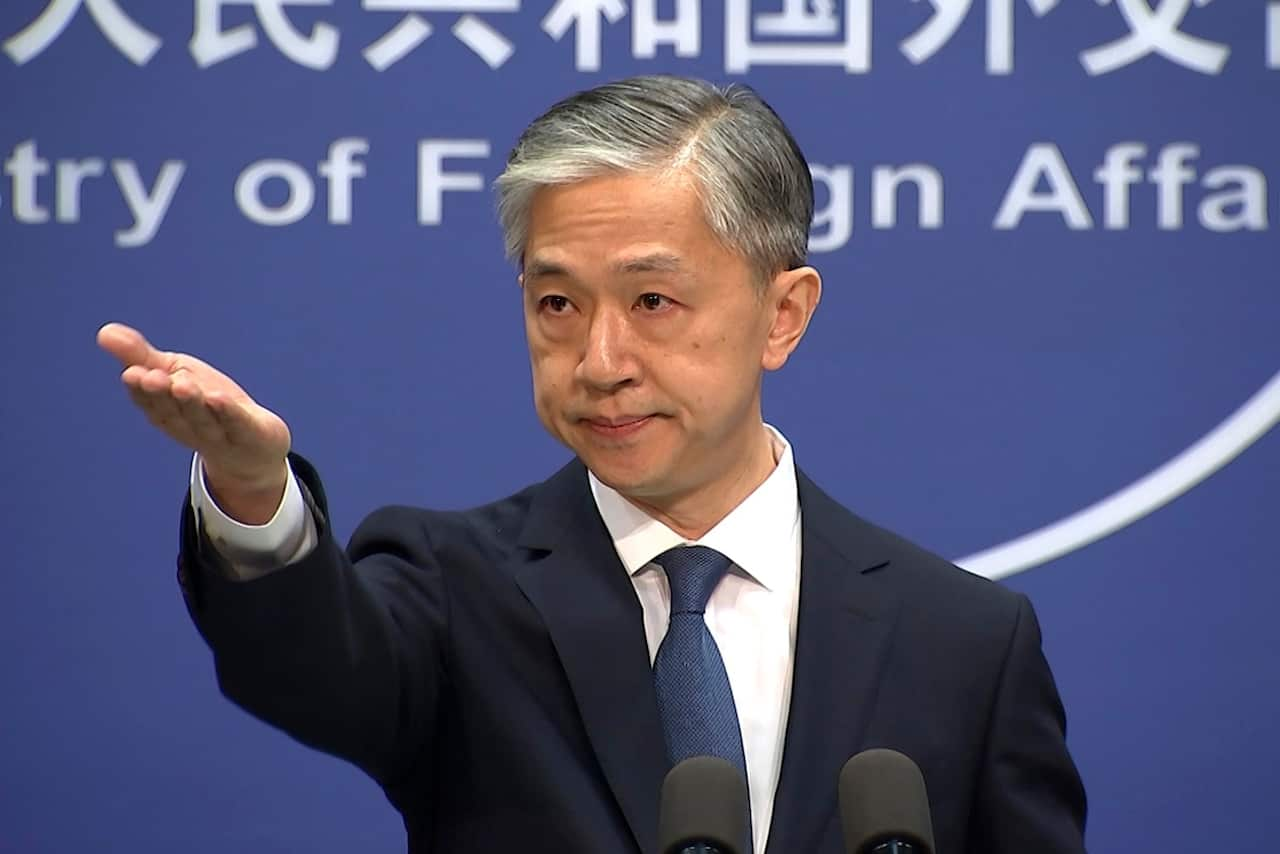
(692, 514)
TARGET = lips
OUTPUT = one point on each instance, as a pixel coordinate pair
(620, 421)
(618, 427)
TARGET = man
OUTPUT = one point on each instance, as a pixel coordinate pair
(517, 676)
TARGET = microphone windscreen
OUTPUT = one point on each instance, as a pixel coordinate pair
(704, 800)
(883, 799)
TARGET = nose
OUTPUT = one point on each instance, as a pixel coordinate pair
(609, 360)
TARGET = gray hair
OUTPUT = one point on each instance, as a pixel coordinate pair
(756, 190)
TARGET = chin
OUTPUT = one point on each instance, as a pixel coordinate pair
(637, 466)
(630, 477)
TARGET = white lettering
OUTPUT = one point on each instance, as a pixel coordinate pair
(211, 44)
(885, 181)
(1273, 35)
(585, 16)
(947, 17)
(683, 31)
(1170, 175)
(148, 208)
(1043, 160)
(1116, 174)
(249, 192)
(815, 36)
(1156, 30)
(833, 222)
(340, 170)
(25, 167)
(1249, 193)
(433, 181)
(67, 183)
(138, 44)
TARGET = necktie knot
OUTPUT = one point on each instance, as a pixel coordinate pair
(692, 573)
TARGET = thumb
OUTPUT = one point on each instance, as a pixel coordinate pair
(128, 345)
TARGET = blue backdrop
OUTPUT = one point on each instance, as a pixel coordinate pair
(1046, 234)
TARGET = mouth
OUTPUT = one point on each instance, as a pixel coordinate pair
(616, 428)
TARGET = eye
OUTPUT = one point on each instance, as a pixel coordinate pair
(554, 303)
(653, 302)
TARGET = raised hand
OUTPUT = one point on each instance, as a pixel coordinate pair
(243, 445)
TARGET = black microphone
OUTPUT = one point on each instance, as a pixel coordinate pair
(884, 806)
(704, 809)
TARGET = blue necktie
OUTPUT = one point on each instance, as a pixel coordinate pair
(694, 696)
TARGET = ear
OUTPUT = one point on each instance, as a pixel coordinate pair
(792, 297)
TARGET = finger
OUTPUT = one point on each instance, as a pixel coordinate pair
(168, 419)
(153, 392)
(131, 348)
(150, 379)
(132, 376)
(195, 412)
(162, 414)
(156, 381)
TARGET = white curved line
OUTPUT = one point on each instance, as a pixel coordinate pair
(1218, 447)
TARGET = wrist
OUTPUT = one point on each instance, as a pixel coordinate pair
(250, 500)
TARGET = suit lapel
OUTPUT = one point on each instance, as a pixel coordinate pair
(842, 633)
(573, 577)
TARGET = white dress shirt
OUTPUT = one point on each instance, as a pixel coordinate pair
(751, 614)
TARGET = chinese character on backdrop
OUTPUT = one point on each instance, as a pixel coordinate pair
(801, 32)
(586, 17)
(413, 29)
(211, 44)
(1273, 35)
(946, 19)
(1157, 31)
(136, 43)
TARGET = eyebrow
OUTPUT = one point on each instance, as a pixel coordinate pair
(534, 269)
(654, 262)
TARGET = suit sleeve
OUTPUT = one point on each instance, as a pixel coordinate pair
(1030, 799)
(341, 649)
(254, 550)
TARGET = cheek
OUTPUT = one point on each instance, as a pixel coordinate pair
(546, 407)
(548, 385)
(712, 366)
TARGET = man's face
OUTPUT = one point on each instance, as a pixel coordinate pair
(647, 336)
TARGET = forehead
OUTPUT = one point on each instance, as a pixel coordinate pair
(655, 214)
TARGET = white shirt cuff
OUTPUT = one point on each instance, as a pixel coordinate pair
(255, 550)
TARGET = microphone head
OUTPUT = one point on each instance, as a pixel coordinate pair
(704, 800)
(882, 799)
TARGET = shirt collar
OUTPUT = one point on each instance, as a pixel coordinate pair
(758, 535)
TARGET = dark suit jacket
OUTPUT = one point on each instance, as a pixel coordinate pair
(489, 670)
